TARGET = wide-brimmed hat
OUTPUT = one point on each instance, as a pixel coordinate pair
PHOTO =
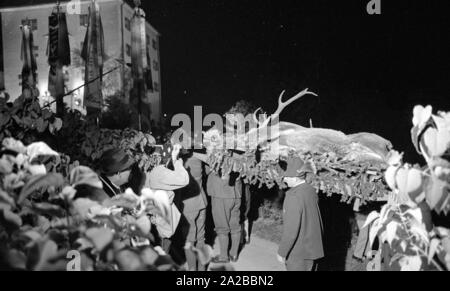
(115, 161)
(292, 167)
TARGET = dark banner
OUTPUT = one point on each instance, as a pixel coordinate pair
(29, 61)
(58, 52)
(93, 55)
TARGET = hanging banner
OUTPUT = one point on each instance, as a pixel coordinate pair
(93, 56)
(58, 52)
(29, 61)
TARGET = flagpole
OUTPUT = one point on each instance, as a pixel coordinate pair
(85, 84)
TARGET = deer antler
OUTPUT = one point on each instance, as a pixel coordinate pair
(255, 116)
(282, 105)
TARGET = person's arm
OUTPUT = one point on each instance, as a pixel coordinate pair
(201, 157)
(162, 178)
(291, 225)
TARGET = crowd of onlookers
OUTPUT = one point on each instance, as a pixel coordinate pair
(194, 191)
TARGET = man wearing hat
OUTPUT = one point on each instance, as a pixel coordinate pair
(115, 169)
(171, 175)
(301, 245)
(192, 202)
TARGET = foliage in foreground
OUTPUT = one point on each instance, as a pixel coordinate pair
(42, 220)
(407, 235)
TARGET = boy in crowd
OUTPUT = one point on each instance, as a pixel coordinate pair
(301, 245)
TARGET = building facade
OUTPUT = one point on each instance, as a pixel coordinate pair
(116, 18)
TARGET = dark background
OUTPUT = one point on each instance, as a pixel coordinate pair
(369, 70)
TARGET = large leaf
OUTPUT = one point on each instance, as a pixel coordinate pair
(41, 125)
(49, 209)
(371, 218)
(6, 166)
(144, 224)
(436, 142)
(82, 207)
(37, 170)
(85, 176)
(13, 182)
(14, 145)
(128, 200)
(422, 115)
(129, 261)
(437, 192)
(149, 256)
(391, 231)
(17, 260)
(39, 182)
(6, 198)
(410, 181)
(37, 149)
(9, 220)
(100, 237)
(44, 256)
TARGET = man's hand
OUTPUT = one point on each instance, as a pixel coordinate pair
(281, 259)
(175, 152)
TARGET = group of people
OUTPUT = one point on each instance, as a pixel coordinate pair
(186, 178)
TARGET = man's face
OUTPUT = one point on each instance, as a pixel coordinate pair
(123, 177)
(292, 181)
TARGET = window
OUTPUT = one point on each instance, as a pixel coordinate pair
(35, 48)
(156, 86)
(128, 50)
(155, 44)
(155, 65)
(128, 24)
(20, 76)
(84, 19)
(148, 40)
(31, 22)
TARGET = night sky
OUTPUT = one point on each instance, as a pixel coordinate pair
(369, 70)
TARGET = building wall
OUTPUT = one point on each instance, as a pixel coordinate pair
(153, 98)
(116, 48)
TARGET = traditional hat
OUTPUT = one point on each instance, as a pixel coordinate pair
(292, 167)
(115, 161)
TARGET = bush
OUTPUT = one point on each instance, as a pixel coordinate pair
(41, 221)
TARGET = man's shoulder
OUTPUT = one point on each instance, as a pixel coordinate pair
(304, 191)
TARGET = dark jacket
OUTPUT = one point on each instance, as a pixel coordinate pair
(192, 198)
(229, 188)
(100, 195)
(109, 188)
(302, 225)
